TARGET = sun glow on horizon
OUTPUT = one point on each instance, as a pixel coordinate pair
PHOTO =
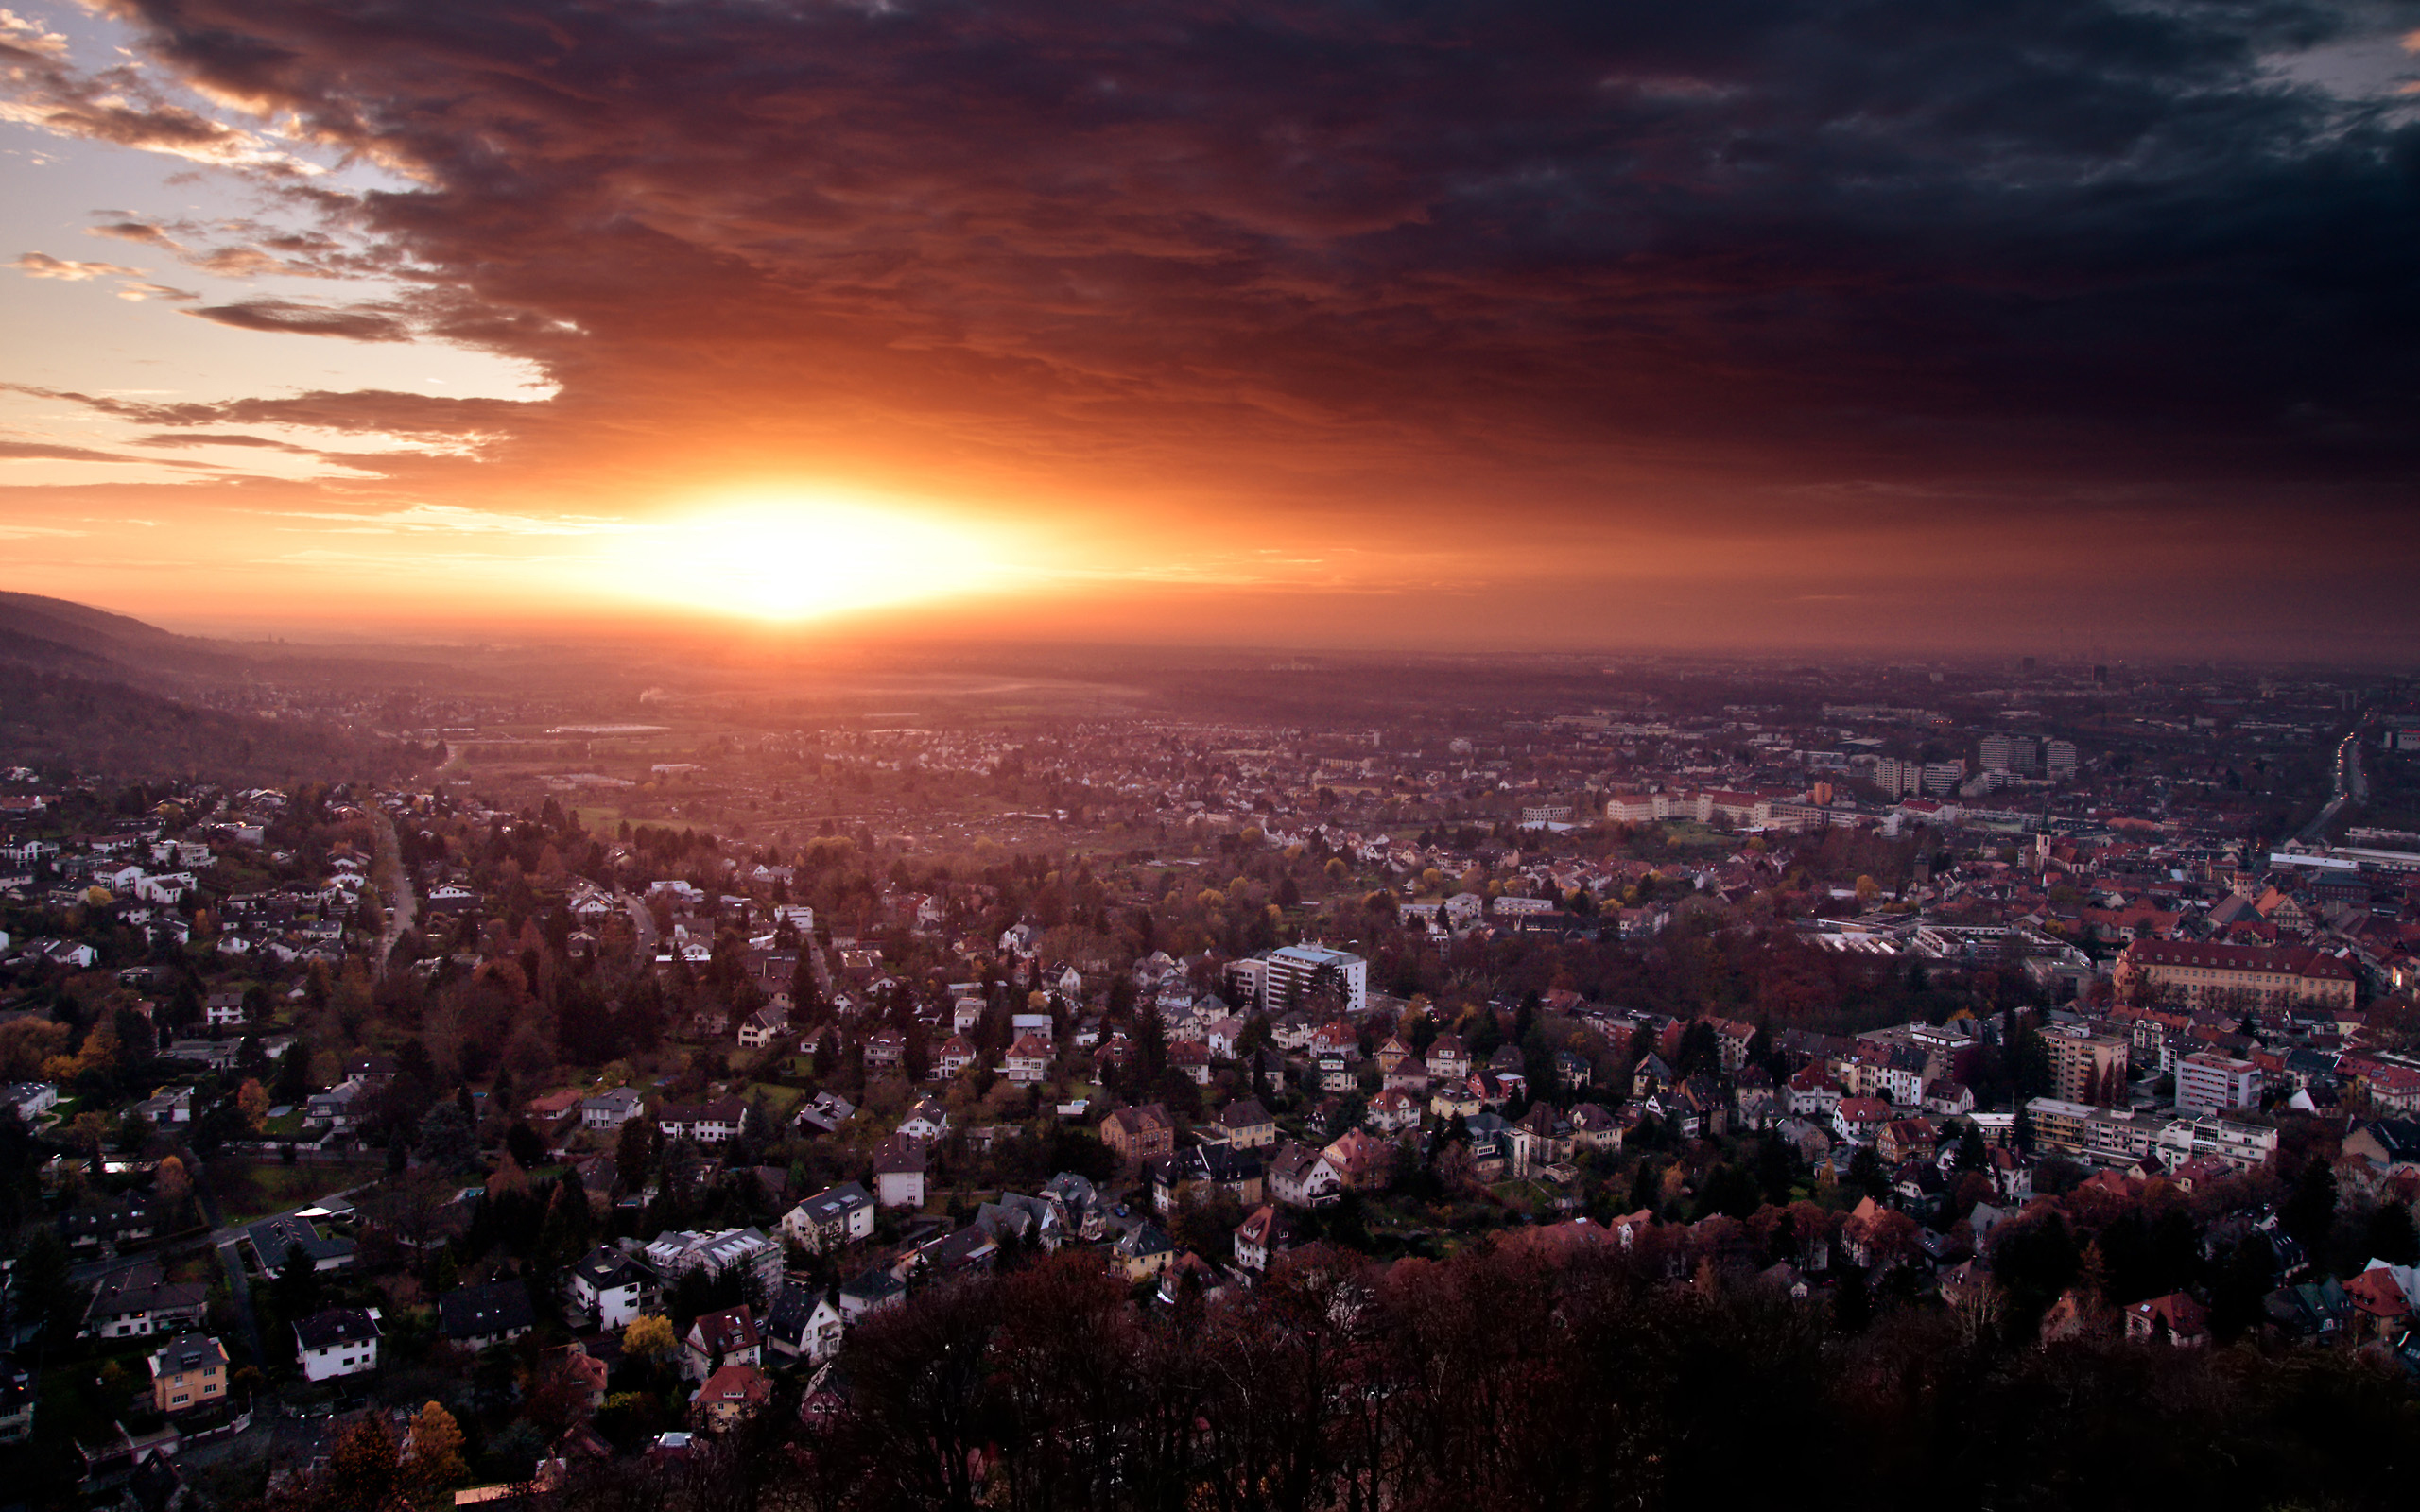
(806, 558)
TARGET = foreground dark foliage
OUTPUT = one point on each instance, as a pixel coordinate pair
(1511, 1379)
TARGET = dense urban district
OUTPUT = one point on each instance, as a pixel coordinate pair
(1625, 1086)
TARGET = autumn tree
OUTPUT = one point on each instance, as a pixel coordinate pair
(435, 1460)
(363, 1472)
(649, 1339)
(171, 1185)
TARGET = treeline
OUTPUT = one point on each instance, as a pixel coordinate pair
(1507, 1378)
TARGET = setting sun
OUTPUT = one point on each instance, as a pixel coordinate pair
(804, 558)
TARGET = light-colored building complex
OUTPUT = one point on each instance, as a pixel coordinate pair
(2114, 1136)
(2233, 977)
(2211, 1083)
(674, 1254)
(2245, 1146)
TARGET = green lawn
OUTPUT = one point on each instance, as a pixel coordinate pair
(253, 1189)
(779, 1101)
(1524, 1194)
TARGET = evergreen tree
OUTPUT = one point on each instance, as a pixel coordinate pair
(2309, 1211)
(445, 1139)
(2389, 1236)
(2250, 1272)
(296, 1289)
(634, 1150)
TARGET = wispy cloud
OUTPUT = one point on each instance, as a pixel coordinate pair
(41, 264)
(454, 520)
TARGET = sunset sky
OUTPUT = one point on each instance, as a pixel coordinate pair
(1916, 324)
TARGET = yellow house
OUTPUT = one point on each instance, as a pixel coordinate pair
(188, 1372)
(1247, 1124)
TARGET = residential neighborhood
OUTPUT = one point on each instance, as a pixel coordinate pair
(608, 1142)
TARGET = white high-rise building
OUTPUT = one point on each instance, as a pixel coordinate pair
(1288, 972)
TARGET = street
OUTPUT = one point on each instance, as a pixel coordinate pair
(642, 923)
(402, 906)
(2351, 786)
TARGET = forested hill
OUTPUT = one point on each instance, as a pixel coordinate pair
(105, 728)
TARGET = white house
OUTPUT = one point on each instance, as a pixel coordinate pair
(341, 1341)
(928, 1120)
(1027, 1060)
(1302, 1175)
(806, 1324)
(899, 1173)
(706, 1123)
(607, 1289)
(30, 1098)
(611, 1109)
(676, 1252)
(831, 1219)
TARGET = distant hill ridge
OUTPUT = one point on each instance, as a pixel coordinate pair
(73, 623)
(62, 635)
(98, 691)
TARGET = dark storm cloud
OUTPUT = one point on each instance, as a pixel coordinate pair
(2092, 245)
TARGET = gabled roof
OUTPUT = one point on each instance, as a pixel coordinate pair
(1146, 1238)
(1141, 1119)
(477, 1311)
(187, 1351)
(726, 1332)
(834, 1202)
(1265, 1228)
(607, 1267)
(738, 1385)
(273, 1239)
(1244, 1112)
(899, 1156)
(793, 1311)
(336, 1326)
(872, 1286)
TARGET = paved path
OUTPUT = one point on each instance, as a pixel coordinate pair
(402, 906)
(229, 1238)
(239, 1293)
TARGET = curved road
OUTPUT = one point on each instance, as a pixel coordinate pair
(641, 926)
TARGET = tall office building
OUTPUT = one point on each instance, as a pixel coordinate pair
(2010, 753)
